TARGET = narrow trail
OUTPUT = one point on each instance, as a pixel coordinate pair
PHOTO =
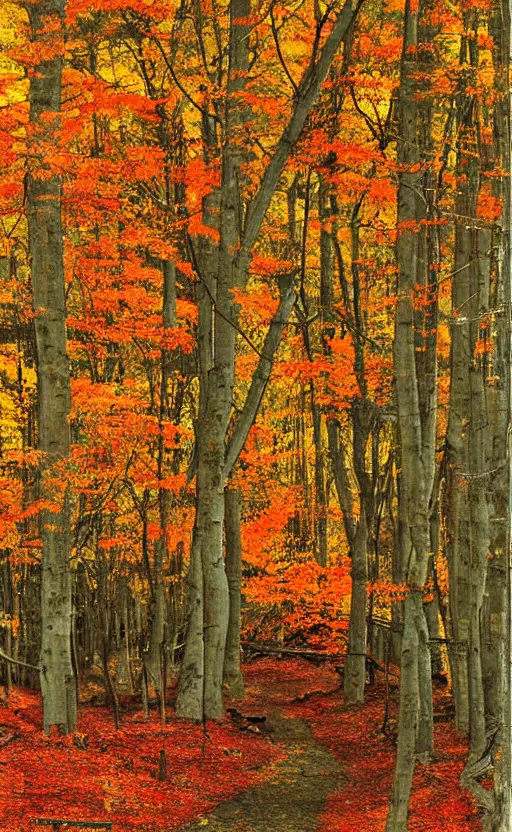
(293, 798)
(337, 773)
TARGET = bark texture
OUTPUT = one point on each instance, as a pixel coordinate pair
(58, 682)
(415, 386)
(232, 670)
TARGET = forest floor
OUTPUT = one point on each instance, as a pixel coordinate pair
(290, 758)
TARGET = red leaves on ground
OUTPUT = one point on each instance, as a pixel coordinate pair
(103, 774)
(367, 756)
(115, 776)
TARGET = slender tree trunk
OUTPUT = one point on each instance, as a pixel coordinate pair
(124, 671)
(496, 647)
(158, 618)
(355, 666)
(458, 521)
(432, 607)
(58, 683)
(478, 451)
(8, 607)
(232, 670)
(161, 554)
(320, 518)
(417, 446)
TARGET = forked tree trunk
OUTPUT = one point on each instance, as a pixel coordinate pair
(58, 682)
(226, 267)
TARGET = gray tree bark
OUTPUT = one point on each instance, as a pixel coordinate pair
(232, 670)
(161, 554)
(58, 682)
(355, 666)
(496, 611)
(417, 443)
(482, 447)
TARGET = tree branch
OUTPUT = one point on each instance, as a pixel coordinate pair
(282, 61)
(260, 378)
(10, 659)
(307, 93)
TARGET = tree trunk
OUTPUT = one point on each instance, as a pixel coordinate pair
(124, 671)
(161, 554)
(158, 618)
(408, 716)
(320, 518)
(496, 621)
(232, 670)
(355, 666)
(189, 702)
(58, 682)
(458, 521)
(222, 269)
(417, 440)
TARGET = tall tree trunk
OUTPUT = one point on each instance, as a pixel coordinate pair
(58, 683)
(417, 444)
(232, 670)
(355, 666)
(320, 519)
(483, 449)
(161, 554)
(461, 359)
(497, 612)
(469, 452)
(124, 669)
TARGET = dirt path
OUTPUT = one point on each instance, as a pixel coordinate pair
(294, 796)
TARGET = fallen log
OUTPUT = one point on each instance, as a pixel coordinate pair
(304, 653)
(300, 652)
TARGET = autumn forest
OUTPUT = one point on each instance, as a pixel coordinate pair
(255, 356)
